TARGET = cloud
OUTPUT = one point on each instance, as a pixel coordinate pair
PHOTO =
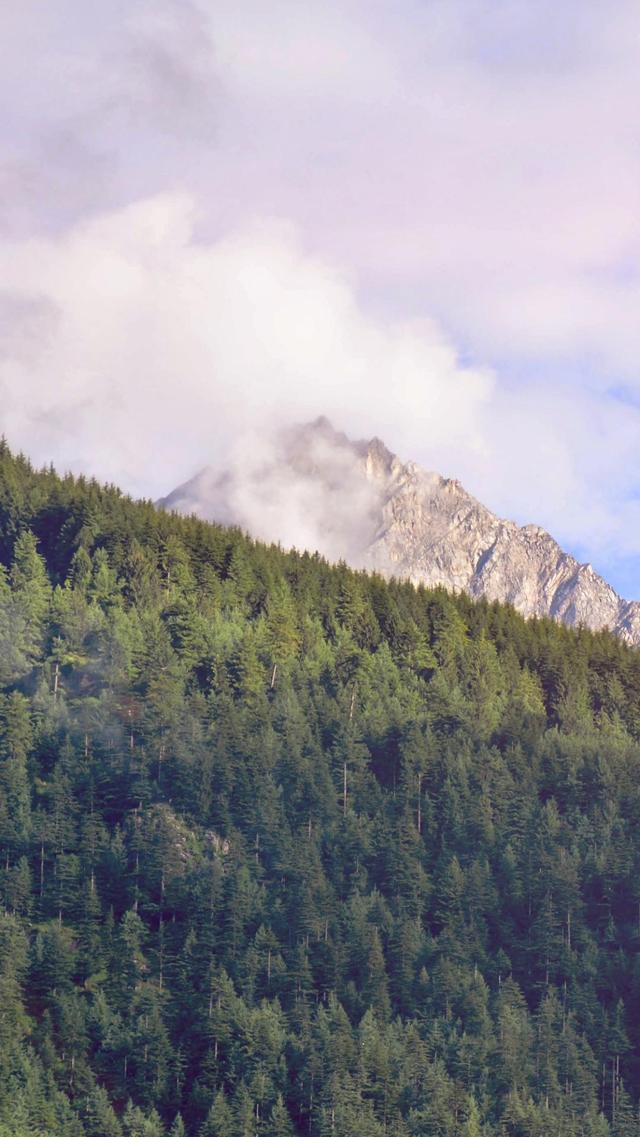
(133, 351)
(102, 104)
(477, 161)
(480, 161)
(302, 486)
(166, 75)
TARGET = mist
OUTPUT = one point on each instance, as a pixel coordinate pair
(305, 487)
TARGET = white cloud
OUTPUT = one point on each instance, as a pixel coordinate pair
(135, 352)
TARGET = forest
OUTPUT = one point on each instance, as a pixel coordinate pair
(287, 849)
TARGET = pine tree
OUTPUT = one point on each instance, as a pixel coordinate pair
(99, 1117)
(15, 745)
(32, 591)
(219, 1120)
(279, 1123)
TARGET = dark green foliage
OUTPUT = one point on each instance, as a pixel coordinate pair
(286, 849)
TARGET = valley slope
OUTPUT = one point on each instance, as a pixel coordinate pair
(290, 850)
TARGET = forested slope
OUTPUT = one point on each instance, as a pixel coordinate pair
(286, 849)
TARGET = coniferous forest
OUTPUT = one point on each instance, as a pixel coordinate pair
(286, 849)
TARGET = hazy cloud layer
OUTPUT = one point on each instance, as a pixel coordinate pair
(131, 350)
(277, 209)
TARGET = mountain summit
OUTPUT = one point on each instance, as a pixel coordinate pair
(315, 488)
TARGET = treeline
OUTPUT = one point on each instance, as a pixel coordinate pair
(286, 849)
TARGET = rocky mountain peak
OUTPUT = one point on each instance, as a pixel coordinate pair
(313, 487)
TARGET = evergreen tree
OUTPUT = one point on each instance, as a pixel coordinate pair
(288, 849)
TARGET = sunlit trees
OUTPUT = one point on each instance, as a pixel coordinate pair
(289, 850)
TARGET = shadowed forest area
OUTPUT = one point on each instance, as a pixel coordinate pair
(286, 849)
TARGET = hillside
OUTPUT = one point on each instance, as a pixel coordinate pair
(356, 501)
(289, 849)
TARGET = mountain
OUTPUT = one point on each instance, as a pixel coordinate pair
(314, 488)
(289, 850)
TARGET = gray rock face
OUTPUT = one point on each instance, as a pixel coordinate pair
(316, 489)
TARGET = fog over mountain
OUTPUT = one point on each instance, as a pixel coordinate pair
(312, 487)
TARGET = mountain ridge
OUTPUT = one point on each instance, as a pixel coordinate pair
(357, 501)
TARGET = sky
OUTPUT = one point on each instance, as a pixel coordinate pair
(420, 218)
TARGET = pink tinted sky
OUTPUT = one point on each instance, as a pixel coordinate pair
(451, 187)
